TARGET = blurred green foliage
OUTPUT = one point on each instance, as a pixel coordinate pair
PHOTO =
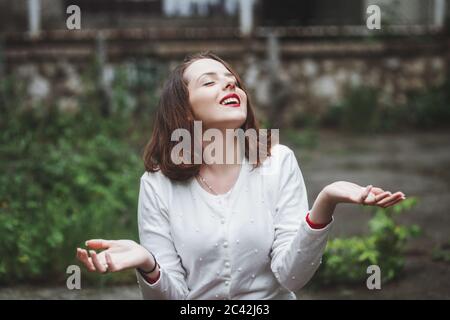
(361, 111)
(308, 138)
(442, 252)
(68, 176)
(346, 259)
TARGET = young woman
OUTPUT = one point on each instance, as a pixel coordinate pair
(236, 230)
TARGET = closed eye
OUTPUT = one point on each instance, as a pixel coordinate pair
(208, 83)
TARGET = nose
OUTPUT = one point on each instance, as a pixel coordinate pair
(229, 84)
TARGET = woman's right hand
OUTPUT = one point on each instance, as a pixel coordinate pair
(117, 255)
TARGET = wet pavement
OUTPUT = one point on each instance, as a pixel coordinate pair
(417, 164)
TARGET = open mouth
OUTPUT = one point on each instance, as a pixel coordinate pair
(231, 100)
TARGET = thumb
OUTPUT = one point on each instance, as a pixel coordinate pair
(366, 193)
(98, 244)
(370, 199)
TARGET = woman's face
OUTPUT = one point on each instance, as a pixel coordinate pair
(215, 98)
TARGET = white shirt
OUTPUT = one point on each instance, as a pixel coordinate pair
(256, 245)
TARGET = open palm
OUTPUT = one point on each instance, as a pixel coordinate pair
(117, 255)
(348, 192)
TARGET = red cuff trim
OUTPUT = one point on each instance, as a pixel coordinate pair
(147, 278)
(152, 281)
(315, 225)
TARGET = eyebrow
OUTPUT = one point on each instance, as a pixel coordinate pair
(227, 74)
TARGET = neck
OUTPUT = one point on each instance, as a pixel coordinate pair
(230, 147)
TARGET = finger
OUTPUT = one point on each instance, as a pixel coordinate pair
(100, 266)
(394, 202)
(111, 266)
(371, 199)
(88, 261)
(83, 257)
(79, 254)
(399, 194)
(389, 199)
(98, 244)
(382, 196)
(377, 191)
(366, 193)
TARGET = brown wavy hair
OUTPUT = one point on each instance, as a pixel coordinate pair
(175, 112)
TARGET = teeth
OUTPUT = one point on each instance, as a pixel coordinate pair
(230, 100)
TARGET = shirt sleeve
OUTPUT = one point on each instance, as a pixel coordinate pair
(298, 248)
(154, 234)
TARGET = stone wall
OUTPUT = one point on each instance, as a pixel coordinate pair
(316, 84)
(297, 76)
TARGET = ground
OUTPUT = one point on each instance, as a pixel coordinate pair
(416, 163)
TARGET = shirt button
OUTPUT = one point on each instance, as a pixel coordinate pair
(218, 272)
(222, 221)
(225, 244)
(237, 241)
(239, 269)
(253, 276)
(293, 277)
(217, 295)
(227, 283)
(227, 264)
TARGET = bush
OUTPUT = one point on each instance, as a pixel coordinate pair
(306, 138)
(430, 109)
(360, 111)
(345, 260)
(65, 178)
(442, 252)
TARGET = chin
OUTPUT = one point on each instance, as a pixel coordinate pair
(229, 123)
(237, 121)
(235, 124)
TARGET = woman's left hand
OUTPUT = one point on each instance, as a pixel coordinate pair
(348, 192)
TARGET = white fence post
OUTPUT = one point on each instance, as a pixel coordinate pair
(34, 17)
